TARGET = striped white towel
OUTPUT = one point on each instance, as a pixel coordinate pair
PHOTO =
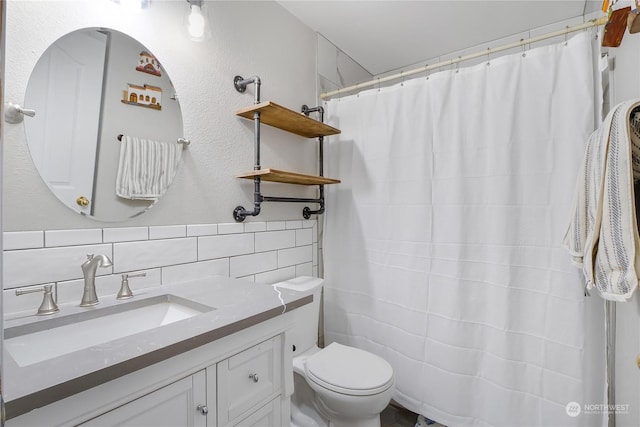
(146, 168)
(603, 236)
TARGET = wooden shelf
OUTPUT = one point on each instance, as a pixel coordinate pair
(275, 175)
(152, 106)
(283, 118)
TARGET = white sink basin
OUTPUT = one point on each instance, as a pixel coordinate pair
(56, 336)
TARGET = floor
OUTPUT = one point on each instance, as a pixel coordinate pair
(395, 416)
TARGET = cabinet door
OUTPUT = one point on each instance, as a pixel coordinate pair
(248, 380)
(268, 415)
(170, 406)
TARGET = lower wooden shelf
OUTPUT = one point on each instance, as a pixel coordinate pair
(275, 175)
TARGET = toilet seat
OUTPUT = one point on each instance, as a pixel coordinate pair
(349, 370)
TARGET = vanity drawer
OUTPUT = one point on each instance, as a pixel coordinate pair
(268, 415)
(249, 378)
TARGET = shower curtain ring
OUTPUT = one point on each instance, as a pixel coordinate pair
(566, 33)
(458, 64)
(426, 70)
(524, 51)
(488, 56)
(402, 78)
(378, 84)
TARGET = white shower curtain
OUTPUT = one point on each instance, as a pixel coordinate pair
(442, 246)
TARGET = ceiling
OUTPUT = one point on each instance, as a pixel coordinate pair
(386, 35)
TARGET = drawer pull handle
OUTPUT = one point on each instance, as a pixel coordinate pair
(254, 377)
(203, 409)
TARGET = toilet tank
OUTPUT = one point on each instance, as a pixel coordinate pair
(304, 332)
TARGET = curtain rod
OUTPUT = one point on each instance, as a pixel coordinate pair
(489, 51)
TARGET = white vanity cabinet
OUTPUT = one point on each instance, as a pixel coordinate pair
(245, 388)
(229, 366)
(266, 416)
(250, 380)
(183, 403)
(241, 390)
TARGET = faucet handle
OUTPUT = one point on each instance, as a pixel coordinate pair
(89, 258)
(125, 290)
(48, 305)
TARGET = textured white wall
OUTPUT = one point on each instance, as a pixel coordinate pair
(248, 38)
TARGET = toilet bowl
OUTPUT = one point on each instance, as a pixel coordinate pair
(338, 385)
(352, 386)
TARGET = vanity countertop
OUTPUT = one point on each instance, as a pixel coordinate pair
(238, 305)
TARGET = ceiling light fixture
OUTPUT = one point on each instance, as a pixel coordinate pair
(196, 21)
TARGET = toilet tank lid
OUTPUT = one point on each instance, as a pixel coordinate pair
(300, 284)
(347, 368)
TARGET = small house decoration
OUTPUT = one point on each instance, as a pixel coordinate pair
(148, 64)
(143, 96)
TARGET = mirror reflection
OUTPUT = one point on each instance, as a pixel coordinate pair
(88, 89)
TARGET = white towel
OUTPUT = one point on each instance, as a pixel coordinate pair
(146, 168)
(603, 236)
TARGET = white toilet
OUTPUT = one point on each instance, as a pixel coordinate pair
(336, 386)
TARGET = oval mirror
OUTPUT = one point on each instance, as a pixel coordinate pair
(88, 89)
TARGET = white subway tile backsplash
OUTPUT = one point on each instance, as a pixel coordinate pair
(22, 240)
(304, 237)
(314, 249)
(71, 291)
(212, 247)
(276, 225)
(202, 230)
(231, 228)
(293, 256)
(275, 276)
(125, 234)
(253, 227)
(272, 240)
(192, 271)
(254, 263)
(36, 266)
(154, 253)
(53, 238)
(264, 252)
(293, 224)
(167, 231)
(305, 269)
(107, 285)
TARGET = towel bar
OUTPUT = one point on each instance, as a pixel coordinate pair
(184, 141)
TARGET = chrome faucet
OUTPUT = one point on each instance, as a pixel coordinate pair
(89, 267)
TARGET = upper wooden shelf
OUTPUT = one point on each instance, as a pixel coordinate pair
(275, 175)
(283, 118)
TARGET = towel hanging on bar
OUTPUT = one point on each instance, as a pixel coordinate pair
(146, 168)
(603, 235)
